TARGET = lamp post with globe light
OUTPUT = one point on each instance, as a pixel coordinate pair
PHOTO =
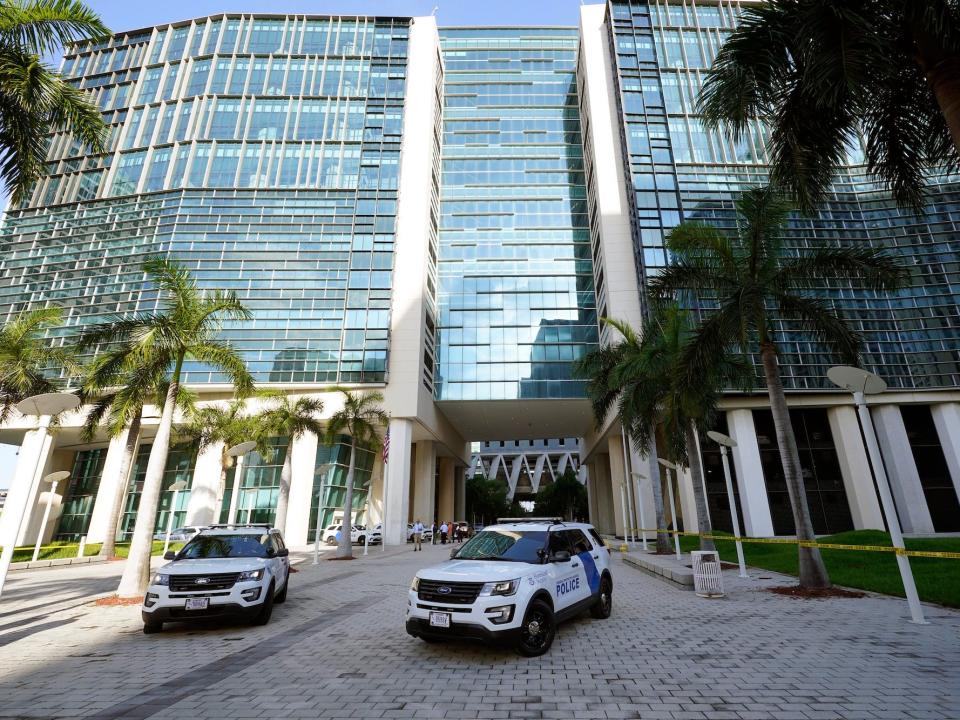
(673, 507)
(54, 479)
(44, 406)
(725, 441)
(862, 382)
(237, 452)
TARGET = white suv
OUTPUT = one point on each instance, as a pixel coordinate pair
(513, 582)
(358, 535)
(225, 570)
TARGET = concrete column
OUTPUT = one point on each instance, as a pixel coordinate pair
(33, 459)
(901, 469)
(206, 488)
(110, 482)
(643, 488)
(397, 481)
(591, 495)
(303, 486)
(615, 449)
(460, 494)
(445, 500)
(855, 468)
(425, 482)
(375, 495)
(757, 521)
(946, 416)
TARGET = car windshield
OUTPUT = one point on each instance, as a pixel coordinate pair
(225, 546)
(504, 545)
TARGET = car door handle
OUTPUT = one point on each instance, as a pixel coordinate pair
(574, 564)
(596, 557)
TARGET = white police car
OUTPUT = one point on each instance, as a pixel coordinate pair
(224, 571)
(513, 582)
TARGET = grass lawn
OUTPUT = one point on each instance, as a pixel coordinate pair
(938, 579)
(56, 550)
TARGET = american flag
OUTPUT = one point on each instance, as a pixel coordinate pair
(386, 446)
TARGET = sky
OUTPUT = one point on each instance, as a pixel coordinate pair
(121, 15)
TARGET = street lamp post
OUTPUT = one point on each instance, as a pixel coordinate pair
(725, 441)
(623, 508)
(673, 506)
(54, 480)
(862, 382)
(45, 407)
(176, 487)
(640, 521)
(625, 443)
(237, 452)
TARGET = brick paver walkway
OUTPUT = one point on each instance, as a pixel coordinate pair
(337, 649)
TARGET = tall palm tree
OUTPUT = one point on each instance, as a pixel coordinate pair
(35, 100)
(26, 357)
(822, 72)
(185, 328)
(226, 426)
(291, 420)
(660, 398)
(753, 278)
(360, 418)
(601, 368)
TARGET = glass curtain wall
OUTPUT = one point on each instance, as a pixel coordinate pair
(517, 303)
(259, 484)
(81, 494)
(181, 461)
(330, 484)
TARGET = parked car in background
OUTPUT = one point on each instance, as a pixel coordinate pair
(427, 534)
(180, 534)
(357, 535)
(463, 530)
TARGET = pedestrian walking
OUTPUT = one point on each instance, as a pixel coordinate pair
(443, 533)
(433, 533)
(417, 535)
(450, 532)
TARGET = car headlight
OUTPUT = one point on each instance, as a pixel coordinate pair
(415, 584)
(160, 579)
(504, 587)
(250, 575)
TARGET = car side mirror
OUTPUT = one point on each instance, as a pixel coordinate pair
(271, 553)
(561, 556)
(169, 555)
(453, 553)
(283, 553)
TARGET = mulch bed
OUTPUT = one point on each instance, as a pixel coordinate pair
(795, 591)
(113, 601)
(344, 558)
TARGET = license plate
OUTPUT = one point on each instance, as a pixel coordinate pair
(439, 619)
(197, 603)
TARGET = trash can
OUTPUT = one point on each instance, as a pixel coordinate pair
(707, 581)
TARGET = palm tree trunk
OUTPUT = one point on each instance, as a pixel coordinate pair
(813, 573)
(136, 572)
(656, 486)
(345, 549)
(699, 497)
(109, 547)
(283, 500)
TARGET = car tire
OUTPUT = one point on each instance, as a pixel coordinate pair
(538, 629)
(602, 608)
(282, 595)
(149, 628)
(330, 541)
(263, 617)
(361, 539)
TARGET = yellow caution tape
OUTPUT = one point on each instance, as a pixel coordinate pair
(810, 544)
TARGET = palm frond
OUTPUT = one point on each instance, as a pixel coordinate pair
(40, 26)
(821, 320)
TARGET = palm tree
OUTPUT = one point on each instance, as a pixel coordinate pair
(35, 100)
(600, 368)
(291, 420)
(822, 72)
(360, 418)
(226, 426)
(26, 357)
(752, 278)
(661, 398)
(185, 328)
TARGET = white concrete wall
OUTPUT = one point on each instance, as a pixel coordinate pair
(35, 454)
(901, 469)
(397, 481)
(757, 521)
(303, 461)
(446, 506)
(855, 468)
(110, 485)
(206, 489)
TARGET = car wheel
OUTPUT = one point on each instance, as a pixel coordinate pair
(282, 595)
(361, 539)
(331, 541)
(539, 627)
(602, 608)
(263, 617)
(149, 628)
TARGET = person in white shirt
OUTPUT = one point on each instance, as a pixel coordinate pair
(443, 533)
(417, 535)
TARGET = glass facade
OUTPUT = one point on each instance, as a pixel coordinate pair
(516, 278)
(682, 171)
(330, 483)
(80, 495)
(259, 484)
(263, 153)
(180, 465)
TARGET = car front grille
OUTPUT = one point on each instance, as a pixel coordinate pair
(455, 593)
(198, 583)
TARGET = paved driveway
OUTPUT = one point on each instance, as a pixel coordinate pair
(337, 649)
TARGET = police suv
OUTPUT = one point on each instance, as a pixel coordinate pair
(224, 571)
(513, 582)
